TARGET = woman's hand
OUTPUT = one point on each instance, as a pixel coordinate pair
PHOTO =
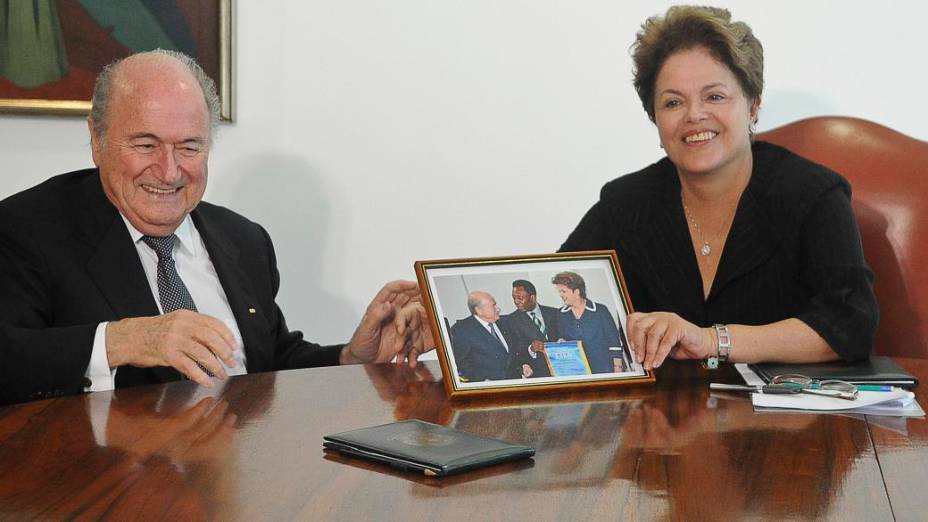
(656, 335)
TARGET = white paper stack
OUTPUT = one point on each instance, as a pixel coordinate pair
(896, 403)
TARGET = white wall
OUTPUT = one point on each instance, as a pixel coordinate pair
(370, 134)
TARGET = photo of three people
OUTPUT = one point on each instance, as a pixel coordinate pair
(497, 338)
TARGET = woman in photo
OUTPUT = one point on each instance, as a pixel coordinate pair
(591, 323)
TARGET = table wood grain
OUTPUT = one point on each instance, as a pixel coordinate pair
(252, 450)
(902, 448)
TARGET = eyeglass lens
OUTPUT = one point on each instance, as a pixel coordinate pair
(808, 382)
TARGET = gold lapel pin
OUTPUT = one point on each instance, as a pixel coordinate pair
(252, 311)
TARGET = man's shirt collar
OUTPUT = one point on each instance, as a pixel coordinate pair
(484, 323)
(184, 232)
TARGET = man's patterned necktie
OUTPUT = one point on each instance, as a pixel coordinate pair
(172, 292)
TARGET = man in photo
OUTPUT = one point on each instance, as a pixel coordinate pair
(533, 325)
(484, 346)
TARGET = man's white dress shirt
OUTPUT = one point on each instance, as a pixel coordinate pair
(541, 318)
(494, 331)
(199, 276)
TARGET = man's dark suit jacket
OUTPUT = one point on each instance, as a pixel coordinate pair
(480, 356)
(526, 331)
(67, 263)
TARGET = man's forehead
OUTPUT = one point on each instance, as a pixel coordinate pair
(150, 66)
(158, 94)
(159, 107)
(165, 122)
(156, 79)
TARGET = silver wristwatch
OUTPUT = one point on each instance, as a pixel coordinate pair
(723, 344)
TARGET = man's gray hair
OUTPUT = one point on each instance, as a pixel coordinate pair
(472, 303)
(104, 83)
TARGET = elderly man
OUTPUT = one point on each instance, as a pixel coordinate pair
(121, 275)
(483, 345)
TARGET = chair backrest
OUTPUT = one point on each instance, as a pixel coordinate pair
(888, 172)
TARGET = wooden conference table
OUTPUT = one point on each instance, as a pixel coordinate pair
(252, 450)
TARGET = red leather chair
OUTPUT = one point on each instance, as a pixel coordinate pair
(888, 172)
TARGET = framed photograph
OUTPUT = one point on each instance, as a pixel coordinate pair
(51, 51)
(527, 324)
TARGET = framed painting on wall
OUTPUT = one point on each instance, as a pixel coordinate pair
(52, 50)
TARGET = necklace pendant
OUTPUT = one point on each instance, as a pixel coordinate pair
(706, 249)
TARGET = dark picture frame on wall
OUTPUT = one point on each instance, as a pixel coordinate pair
(530, 324)
(52, 50)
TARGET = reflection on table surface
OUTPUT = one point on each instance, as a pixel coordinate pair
(251, 449)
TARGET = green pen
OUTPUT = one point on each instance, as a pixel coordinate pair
(874, 387)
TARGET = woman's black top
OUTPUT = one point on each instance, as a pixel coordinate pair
(793, 250)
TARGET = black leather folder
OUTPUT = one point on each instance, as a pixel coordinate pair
(876, 370)
(424, 447)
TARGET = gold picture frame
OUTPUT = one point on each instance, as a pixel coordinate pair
(57, 48)
(488, 342)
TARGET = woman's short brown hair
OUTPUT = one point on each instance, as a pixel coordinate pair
(571, 280)
(686, 27)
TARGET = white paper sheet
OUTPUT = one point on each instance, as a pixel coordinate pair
(897, 403)
(896, 399)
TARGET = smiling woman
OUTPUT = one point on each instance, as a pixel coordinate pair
(732, 249)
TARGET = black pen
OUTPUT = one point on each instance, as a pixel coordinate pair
(767, 388)
(783, 389)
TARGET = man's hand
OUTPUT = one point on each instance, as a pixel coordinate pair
(394, 325)
(181, 339)
(527, 371)
(537, 347)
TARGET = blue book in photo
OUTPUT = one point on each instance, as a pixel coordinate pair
(567, 358)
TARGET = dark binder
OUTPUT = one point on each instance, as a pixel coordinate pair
(876, 370)
(424, 447)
